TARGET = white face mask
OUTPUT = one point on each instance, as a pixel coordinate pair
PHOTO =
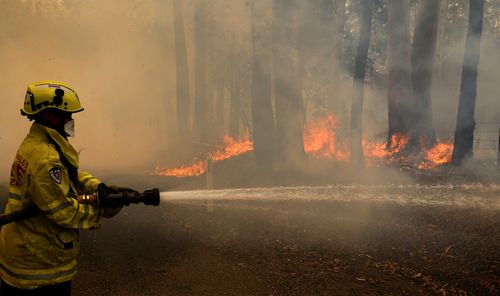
(69, 128)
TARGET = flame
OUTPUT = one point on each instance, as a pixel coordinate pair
(321, 140)
(195, 169)
(431, 158)
(381, 150)
(438, 155)
(230, 148)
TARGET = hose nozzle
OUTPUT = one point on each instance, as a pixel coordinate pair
(149, 197)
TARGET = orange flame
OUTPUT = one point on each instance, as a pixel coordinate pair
(381, 151)
(320, 140)
(438, 155)
(230, 148)
(197, 168)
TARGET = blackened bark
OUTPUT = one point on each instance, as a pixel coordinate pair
(182, 74)
(400, 100)
(263, 131)
(359, 80)
(288, 94)
(422, 61)
(464, 132)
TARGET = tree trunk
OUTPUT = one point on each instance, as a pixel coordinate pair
(464, 132)
(288, 94)
(235, 110)
(324, 54)
(339, 28)
(359, 80)
(399, 96)
(422, 61)
(339, 106)
(182, 75)
(263, 130)
(212, 68)
(219, 104)
(201, 108)
(309, 43)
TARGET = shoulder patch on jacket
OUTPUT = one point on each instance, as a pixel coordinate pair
(56, 175)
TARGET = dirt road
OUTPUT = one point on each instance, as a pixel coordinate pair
(332, 240)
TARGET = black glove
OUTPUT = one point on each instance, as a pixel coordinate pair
(104, 189)
(116, 189)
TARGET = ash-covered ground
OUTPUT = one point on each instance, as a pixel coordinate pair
(320, 240)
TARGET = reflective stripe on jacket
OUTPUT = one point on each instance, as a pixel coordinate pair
(42, 250)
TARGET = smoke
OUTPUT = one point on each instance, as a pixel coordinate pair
(116, 54)
(119, 56)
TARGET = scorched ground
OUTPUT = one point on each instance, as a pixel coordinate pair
(326, 240)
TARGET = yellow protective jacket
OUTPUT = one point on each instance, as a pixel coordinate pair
(42, 250)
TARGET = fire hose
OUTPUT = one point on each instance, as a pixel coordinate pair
(148, 197)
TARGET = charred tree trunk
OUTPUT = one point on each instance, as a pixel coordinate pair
(399, 96)
(359, 81)
(201, 107)
(263, 131)
(422, 61)
(464, 132)
(182, 75)
(289, 103)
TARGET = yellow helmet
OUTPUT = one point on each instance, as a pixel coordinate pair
(50, 94)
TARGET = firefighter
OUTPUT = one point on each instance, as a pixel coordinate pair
(38, 254)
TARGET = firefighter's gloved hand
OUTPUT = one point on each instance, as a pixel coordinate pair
(118, 189)
(104, 190)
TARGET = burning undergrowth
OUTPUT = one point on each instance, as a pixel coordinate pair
(321, 141)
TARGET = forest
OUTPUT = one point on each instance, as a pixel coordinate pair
(362, 82)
